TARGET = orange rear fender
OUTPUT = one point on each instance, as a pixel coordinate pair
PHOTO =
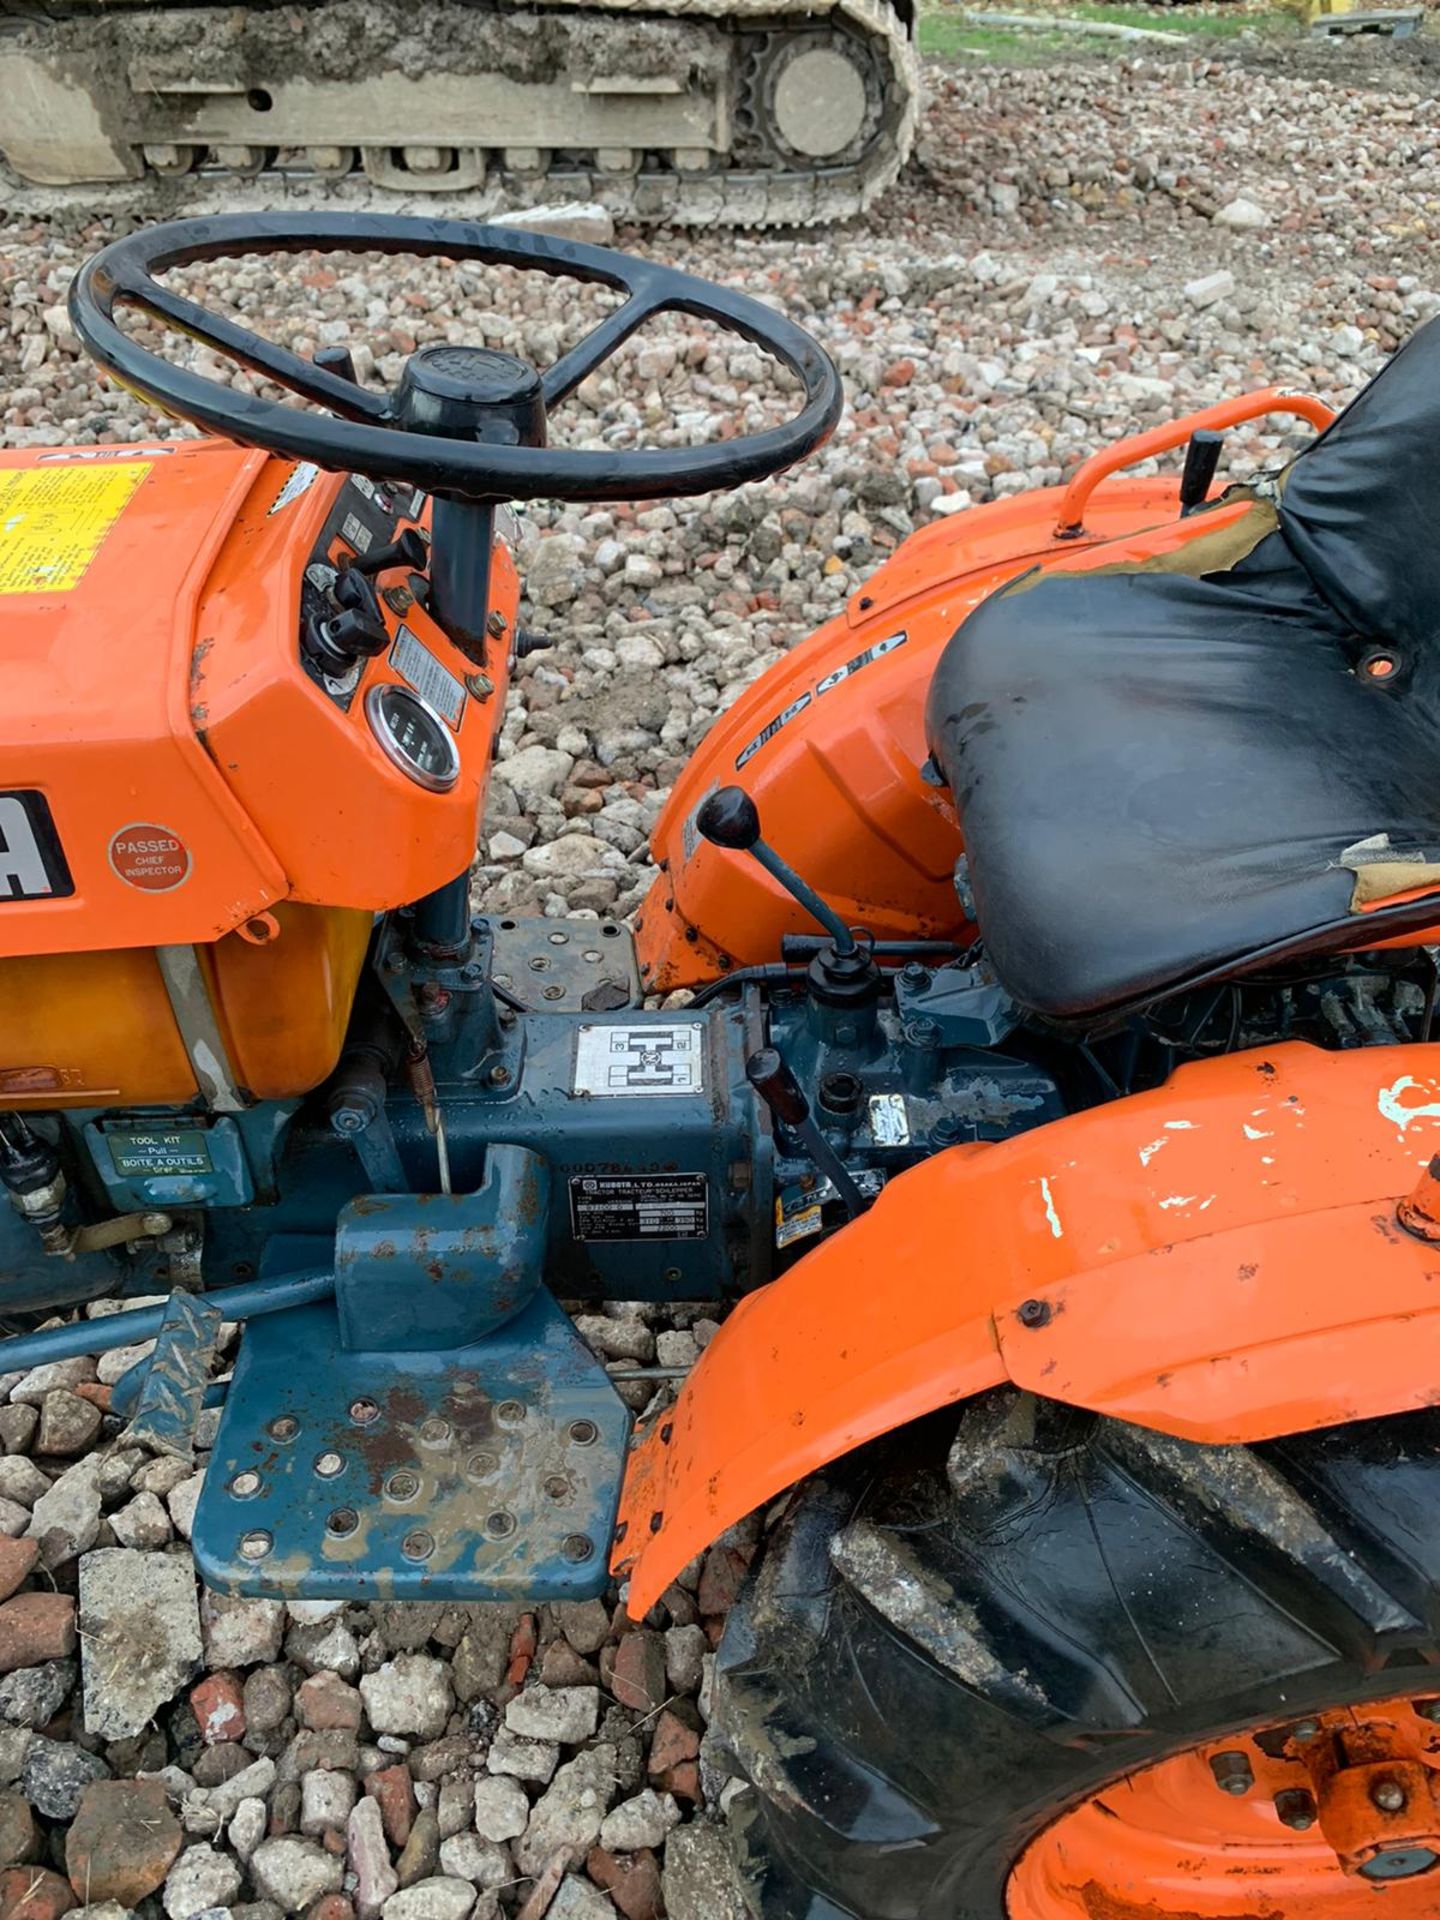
(1218, 1259)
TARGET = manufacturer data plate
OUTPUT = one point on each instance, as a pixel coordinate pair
(615, 1062)
(639, 1206)
(415, 663)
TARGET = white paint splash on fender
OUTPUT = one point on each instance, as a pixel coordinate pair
(1050, 1213)
(1395, 1110)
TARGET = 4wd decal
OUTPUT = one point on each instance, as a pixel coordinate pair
(876, 652)
(768, 733)
(32, 862)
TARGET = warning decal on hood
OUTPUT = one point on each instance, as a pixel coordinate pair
(54, 519)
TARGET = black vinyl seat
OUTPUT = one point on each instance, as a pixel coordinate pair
(1167, 770)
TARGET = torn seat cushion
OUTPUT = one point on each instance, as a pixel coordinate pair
(1167, 769)
(1159, 774)
(1361, 507)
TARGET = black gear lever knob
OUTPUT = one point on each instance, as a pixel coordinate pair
(777, 1086)
(729, 818)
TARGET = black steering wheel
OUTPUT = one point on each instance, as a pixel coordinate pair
(465, 423)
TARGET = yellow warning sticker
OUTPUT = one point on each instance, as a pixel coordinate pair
(53, 519)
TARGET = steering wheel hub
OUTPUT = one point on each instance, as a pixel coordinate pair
(460, 391)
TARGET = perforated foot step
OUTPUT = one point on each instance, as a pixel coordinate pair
(489, 1472)
(566, 966)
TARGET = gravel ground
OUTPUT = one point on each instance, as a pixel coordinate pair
(1079, 251)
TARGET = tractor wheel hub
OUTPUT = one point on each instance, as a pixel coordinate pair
(1376, 1783)
(1310, 1820)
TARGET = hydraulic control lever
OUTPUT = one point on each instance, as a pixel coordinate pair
(407, 549)
(782, 1093)
(730, 818)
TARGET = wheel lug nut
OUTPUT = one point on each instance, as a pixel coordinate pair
(1295, 1809)
(1389, 1796)
(1232, 1771)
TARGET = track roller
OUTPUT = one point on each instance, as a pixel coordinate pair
(166, 158)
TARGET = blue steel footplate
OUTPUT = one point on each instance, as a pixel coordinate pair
(487, 1472)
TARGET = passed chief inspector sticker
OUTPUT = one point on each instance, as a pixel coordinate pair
(150, 857)
(54, 519)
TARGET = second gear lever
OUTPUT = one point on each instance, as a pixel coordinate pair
(407, 549)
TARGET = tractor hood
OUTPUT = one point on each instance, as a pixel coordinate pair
(117, 827)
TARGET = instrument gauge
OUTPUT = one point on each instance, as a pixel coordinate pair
(413, 737)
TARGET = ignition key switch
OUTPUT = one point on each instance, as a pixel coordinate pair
(355, 631)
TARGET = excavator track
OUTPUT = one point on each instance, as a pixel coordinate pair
(697, 112)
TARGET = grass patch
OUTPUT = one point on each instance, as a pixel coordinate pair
(945, 38)
(1226, 25)
(943, 35)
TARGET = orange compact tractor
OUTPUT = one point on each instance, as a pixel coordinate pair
(1057, 1100)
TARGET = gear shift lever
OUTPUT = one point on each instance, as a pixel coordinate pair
(730, 818)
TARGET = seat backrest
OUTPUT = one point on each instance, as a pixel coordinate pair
(1360, 507)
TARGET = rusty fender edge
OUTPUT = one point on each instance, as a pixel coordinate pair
(1218, 1259)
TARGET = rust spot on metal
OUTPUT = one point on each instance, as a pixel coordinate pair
(472, 1409)
(1100, 1903)
(197, 665)
(385, 1444)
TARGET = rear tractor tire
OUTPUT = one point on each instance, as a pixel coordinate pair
(1055, 1667)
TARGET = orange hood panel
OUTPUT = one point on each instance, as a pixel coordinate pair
(104, 552)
